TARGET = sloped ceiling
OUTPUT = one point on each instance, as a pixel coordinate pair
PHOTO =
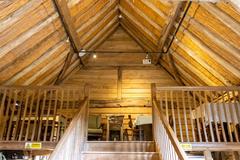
(34, 46)
(33, 43)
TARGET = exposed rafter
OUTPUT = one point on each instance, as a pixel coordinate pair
(66, 18)
(169, 28)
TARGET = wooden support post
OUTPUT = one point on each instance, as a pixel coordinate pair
(1, 113)
(154, 97)
(236, 155)
(119, 84)
(153, 91)
(208, 155)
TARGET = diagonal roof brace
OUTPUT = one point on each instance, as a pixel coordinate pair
(65, 16)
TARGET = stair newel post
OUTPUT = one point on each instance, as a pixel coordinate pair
(154, 97)
(87, 96)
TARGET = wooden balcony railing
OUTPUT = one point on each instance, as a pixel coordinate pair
(166, 141)
(72, 143)
(201, 114)
(31, 113)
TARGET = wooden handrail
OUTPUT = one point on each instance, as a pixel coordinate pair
(197, 88)
(71, 144)
(177, 149)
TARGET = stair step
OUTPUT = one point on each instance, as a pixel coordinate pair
(120, 156)
(120, 146)
(196, 158)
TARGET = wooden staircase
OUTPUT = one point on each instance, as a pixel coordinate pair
(144, 150)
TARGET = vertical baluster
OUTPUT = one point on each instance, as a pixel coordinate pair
(68, 107)
(39, 138)
(161, 102)
(59, 119)
(12, 108)
(18, 119)
(75, 100)
(197, 118)
(48, 114)
(7, 111)
(185, 115)
(2, 112)
(237, 106)
(191, 116)
(24, 115)
(36, 114)
(30, 115)
(214, 112)
(173, 114)
(220, 115)
(179, 118)
(203, 114)
(233, 116)
(207, 109)
(226, 117)
(166, 105)
(54, 115)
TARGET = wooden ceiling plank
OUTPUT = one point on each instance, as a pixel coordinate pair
(194, 70)
(223, 17)
(12, 30)
(11, 8)
(101, 33)
(35, 63)
(31, 43)
(5, 49)
(140, 33)
(64, 13)
(95, 10)
(154, 8)
(47, 77)
(184, 71)
(134, 21)
(135, 32)
(217, 39)
(203, 63)
(112, 16)
(128, 5)
(7, 19)
(144, 46)
(104, 37)
(211, 53)
(188, 77)
(91, 22)
(81, 7)
(102, 19)
(30, 56)
(59, 59)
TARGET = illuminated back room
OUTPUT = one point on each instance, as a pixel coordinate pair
(119, 79)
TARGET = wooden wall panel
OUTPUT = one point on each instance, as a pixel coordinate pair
(135, 82)
(103, 82)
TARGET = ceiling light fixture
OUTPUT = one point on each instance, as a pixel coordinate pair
(82, 53)
(94, 56)
(147, 59)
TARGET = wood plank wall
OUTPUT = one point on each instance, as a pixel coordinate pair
(135, 82)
